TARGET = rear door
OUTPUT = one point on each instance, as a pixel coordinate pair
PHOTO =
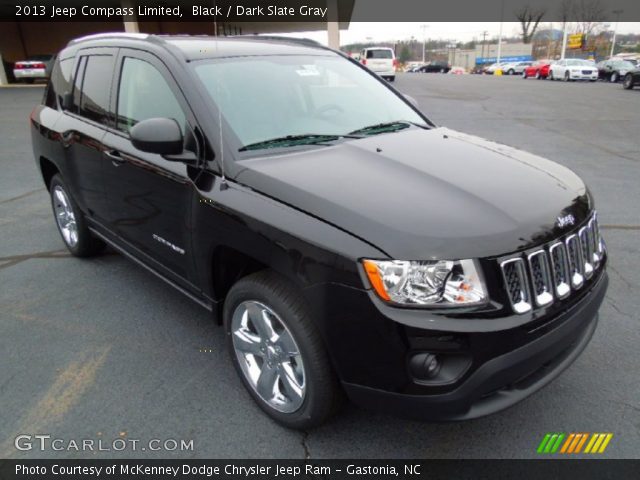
(149, 197)
(83, 126)
(380, 59)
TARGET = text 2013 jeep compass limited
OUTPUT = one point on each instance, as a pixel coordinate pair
(345, 241)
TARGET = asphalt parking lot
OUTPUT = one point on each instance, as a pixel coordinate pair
(101, 349)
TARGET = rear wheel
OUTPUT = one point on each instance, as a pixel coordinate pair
(567, 76)
(511, 71)
(70, 221)
(278, 351)
(628, 81)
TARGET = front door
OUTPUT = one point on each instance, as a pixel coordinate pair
(149, 198)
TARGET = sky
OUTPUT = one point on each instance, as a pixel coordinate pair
(460, 31)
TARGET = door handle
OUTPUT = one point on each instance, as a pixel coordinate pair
(115, 157)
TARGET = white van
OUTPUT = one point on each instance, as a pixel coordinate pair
(380, 60)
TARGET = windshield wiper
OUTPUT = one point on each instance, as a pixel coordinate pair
(295, 140)
(386, 127)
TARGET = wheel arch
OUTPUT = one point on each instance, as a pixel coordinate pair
(48, 169)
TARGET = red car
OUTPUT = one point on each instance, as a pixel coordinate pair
(539, 70)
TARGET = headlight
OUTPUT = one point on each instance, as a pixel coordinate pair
(438, 282)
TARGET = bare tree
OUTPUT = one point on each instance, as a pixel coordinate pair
(529, 19)
(589, 16)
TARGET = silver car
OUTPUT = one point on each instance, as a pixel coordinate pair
(33, 68)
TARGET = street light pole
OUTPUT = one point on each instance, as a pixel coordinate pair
(424, 41)
(500, 34)
(615, 29)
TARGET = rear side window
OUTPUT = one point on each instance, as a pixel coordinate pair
(379, 54)
(60, 82)
(77, 85)
(94, 100)
(143, 94)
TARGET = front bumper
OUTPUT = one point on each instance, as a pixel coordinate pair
(504, 380)
(509, 358)
(583, 76)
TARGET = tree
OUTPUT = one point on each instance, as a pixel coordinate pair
(529, 19)
(405, 54)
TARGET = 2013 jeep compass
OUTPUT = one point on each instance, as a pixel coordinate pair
(346, 242)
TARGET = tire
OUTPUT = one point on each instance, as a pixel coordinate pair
(567, 76)
(627, 84)
(70, 221)
(550, 75)
(614, 77)
(314, 394)
(524, 75)
(538, 77)
(511, 71)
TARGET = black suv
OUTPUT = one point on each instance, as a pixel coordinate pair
(345, 242)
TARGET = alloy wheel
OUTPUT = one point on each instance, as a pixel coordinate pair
(65, 217)
(268, 356)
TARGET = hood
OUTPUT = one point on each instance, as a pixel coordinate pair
(426, 194)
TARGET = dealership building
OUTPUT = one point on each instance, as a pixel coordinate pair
(19, 40)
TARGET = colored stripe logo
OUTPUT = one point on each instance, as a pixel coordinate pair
(574, 443)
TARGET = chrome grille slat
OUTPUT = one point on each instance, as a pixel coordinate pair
(515, 279)
(554, 270)
(576, 264)
(587, 251)
(540, 278)
(560, 269)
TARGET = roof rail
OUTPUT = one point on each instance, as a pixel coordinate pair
(97, 36)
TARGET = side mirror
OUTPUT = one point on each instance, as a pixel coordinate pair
(412, 101)
(162, 136)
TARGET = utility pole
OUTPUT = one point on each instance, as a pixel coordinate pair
(424, 41)
(615, 29)
(484, 41)
(564, 41)
(500, 34)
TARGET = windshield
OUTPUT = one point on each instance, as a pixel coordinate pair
(267, 97)
(622, 64)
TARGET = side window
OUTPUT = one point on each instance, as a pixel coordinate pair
(60, 82)
(94, 102)
(77, 85)
(144, 93)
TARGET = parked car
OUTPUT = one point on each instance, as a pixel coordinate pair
(515, 68)
(307, 219)
(614, 70)
(436, 66)
(381, 61)
(538, 70)
(457, 71)
(573, 69)
(35, 67)
(491, 69)
(632, 79)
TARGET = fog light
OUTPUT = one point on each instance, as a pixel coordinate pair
(425, 365)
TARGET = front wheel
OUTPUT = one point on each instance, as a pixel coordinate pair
(278, 352)
(511, 71)
(70, 221)
(628, 81)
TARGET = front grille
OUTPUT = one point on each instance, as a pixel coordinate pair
(551, 272)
